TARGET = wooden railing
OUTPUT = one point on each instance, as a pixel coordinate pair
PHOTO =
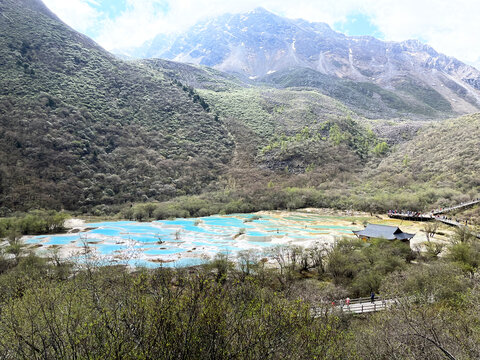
(364, 305)
(356, 306)
(456, 224)
(462, 205)
(415, 216)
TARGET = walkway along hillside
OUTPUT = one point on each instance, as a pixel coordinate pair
(454, 223)
(358, 306)
(365, 305)
(417, 216)
(434, 215)
(460, 206)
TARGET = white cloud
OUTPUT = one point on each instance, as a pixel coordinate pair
(449, 26)
(139, 22)
(79, 14)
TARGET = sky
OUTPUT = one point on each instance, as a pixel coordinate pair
(451, 27)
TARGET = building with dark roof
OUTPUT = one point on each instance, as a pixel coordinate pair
(373, 231)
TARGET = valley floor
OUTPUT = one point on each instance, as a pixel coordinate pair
(193, 241)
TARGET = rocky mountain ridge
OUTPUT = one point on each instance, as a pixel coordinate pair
(259, 43)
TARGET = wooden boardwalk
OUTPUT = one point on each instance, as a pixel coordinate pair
(434, 215)
(415, 216)
(412, 217)
(365, 305)
(456, 224)
(357, 306)
(460, 206)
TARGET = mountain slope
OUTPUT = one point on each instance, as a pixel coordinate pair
(289, 131)
(295, 136)
(259, 43)
(198, 77)
(365, 98)
(443, 159)
(79, 127)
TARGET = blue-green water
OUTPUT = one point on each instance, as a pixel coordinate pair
(187, 242)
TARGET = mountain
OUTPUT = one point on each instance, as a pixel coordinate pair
(260, 44)
(79, 128)
(366, 98)
(82, 130)
(281, 129)
(198, 77)
(443, 156)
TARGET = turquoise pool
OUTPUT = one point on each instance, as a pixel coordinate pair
(187, 242)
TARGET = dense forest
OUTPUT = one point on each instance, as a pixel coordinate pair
(84, 131)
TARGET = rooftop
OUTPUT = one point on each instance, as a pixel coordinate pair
(383, 232)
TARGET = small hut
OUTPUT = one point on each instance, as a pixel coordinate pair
(373, 231)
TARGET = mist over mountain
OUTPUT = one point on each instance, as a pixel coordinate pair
(259, 43)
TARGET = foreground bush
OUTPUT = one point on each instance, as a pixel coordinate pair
(110, 313)
(35, 222)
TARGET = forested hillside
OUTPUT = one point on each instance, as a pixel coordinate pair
(79, 127)
(410, 99)
(84, 131)
(289, 130)
(443, 157)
